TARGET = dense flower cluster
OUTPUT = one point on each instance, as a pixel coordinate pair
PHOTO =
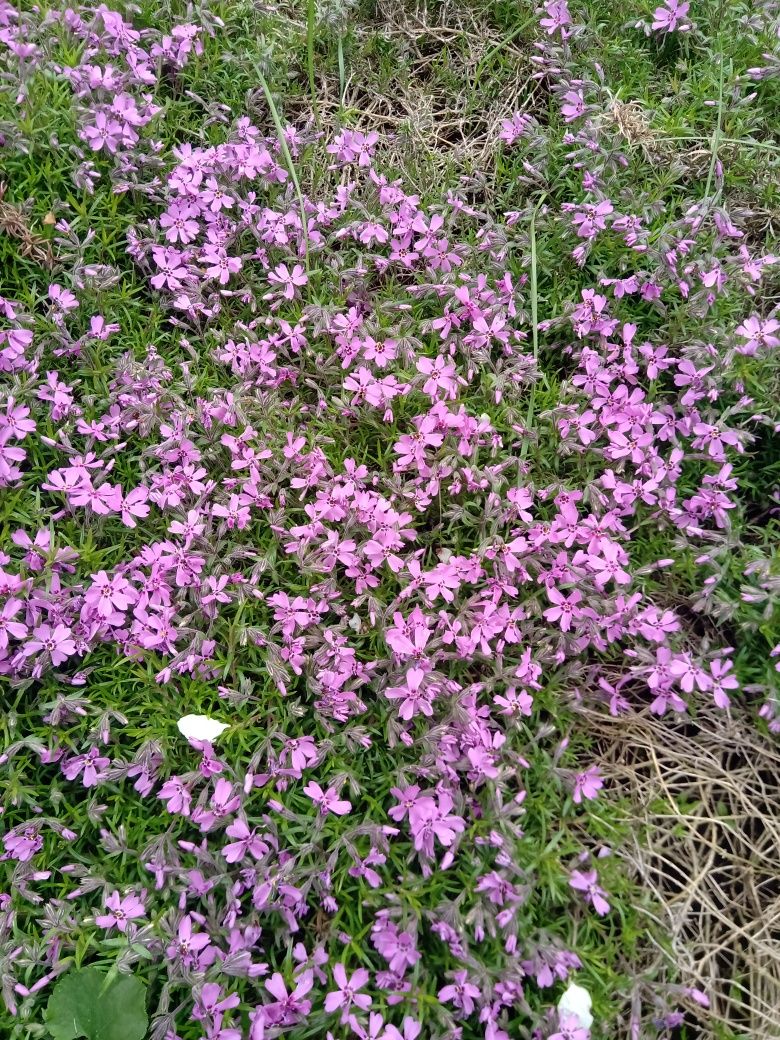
(331, 486)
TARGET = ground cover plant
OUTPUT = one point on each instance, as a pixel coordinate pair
(354, 458)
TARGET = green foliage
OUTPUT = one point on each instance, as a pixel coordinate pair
(97, 1006)
(675, 92)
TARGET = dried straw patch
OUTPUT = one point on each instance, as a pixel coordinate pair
(705, 807)
(631, 121)
(434, 81)
(15, 223)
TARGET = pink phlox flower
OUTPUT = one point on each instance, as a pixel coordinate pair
(288, 1008)
(759, 334)
(219, 264)
(236, 513)
(91, 767)
(587, 881)
(570, 1028)
(722, 680)
(327, 801)
(172, 271)
(442, 377)
(62, 298)
(383, 548)
(408, 638)
(416, 695)
(9, 627)
(514, 702)
(134, 506)
(689, 675)
(287, 280)
(587, 785)
(55, 641)
(187, 945)
(515, 127)
(110, 596)
(564, 609)
(461, 993)
(347, 995)
(210, 1003)
(103, 133)
(247, 842)
(120, 911)
(180, 223)
(223, 802)
(410, 1030)
(351, 146)
(609, 565)
(671, 17)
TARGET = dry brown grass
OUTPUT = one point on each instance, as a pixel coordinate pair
(440, 107)
(705, 799)
(14, 222)
(631, 121)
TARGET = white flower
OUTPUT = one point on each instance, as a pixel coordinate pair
(576, 1001)
(201, 727)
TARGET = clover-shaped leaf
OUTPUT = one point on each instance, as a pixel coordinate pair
(83, 1005)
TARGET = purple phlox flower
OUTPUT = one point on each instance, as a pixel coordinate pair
(178, 796)
(671, 17)
(188, 944)
(347, 996)
(587, 784)
(587, 881)
(301, 752)
(288, 1008)
(398, 948)
(407, 798)
(570, 1028)
(247, 842)
(210, 1003)
(22, 844)
(410, 1029)
(431, 820)
(557, 17)
(364, 868)
(573, 105)
(460, 992)
(120, 911)
(223, 803)
(327, 801)
(91, 767)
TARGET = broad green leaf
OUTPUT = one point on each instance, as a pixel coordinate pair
(73, 1003)
(124, 1017)
(79, 1007)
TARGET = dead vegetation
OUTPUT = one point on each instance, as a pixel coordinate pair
(15, 223)
(434, 81)
(705, 814)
